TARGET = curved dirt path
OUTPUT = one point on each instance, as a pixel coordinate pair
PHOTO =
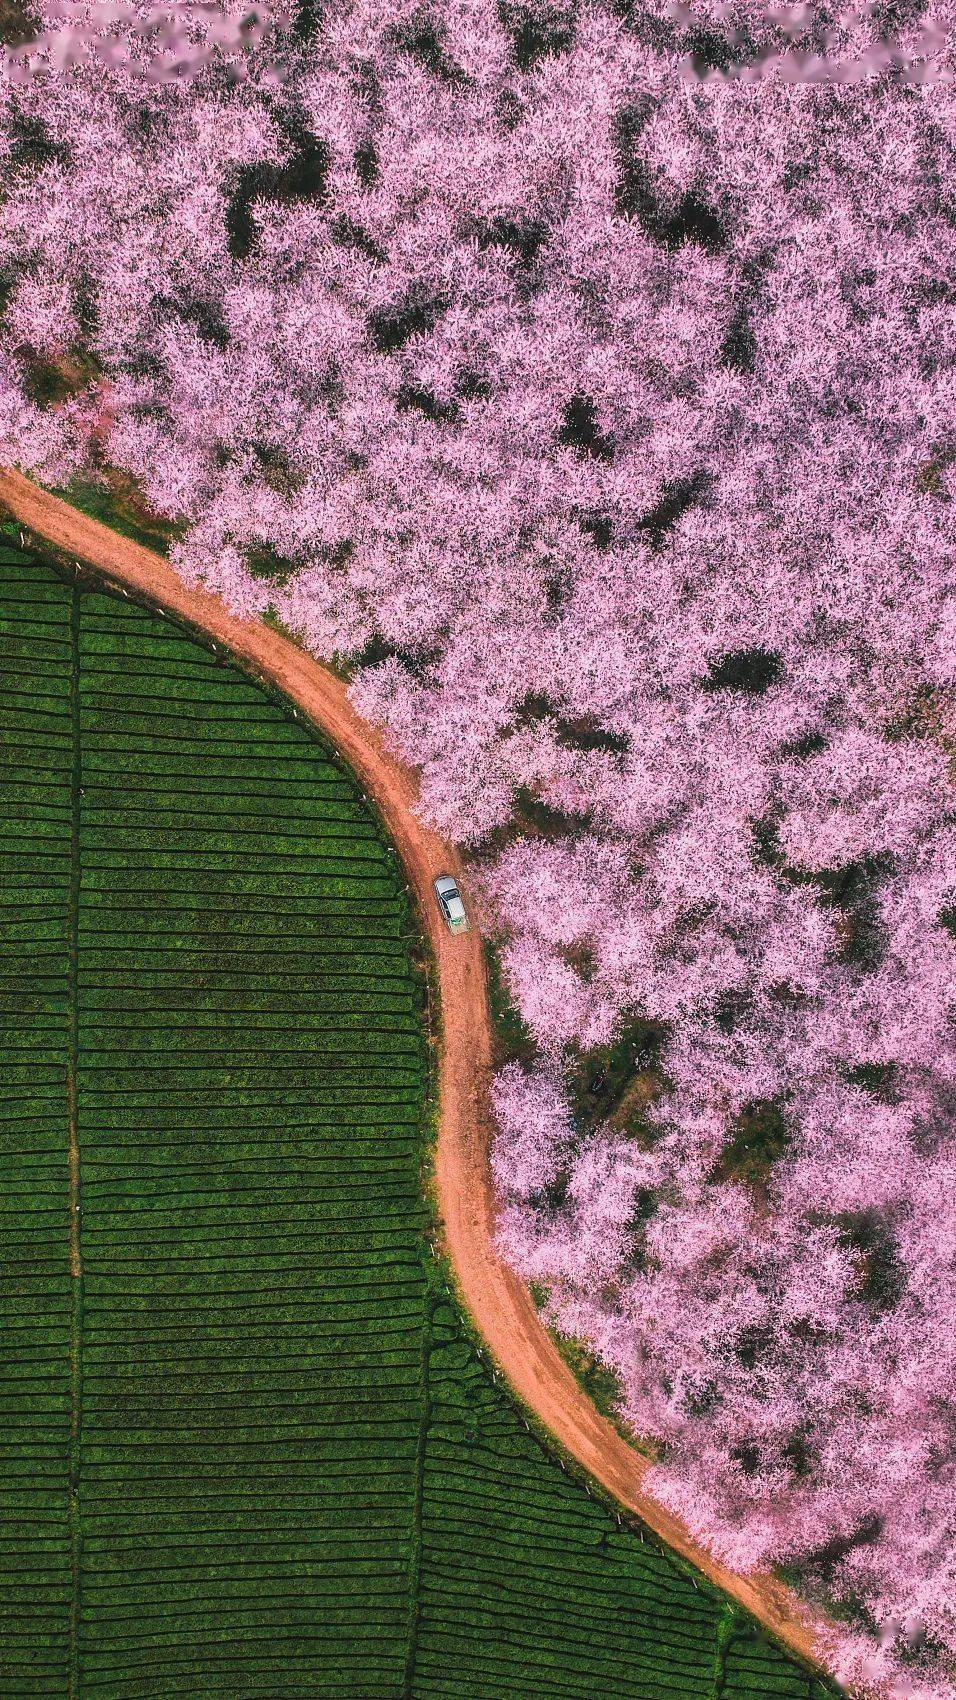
(499, 1303)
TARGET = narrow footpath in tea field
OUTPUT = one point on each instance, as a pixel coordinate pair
(499, 1303)
(76, 1259)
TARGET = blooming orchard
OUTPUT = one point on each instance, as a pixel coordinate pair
(604, 420)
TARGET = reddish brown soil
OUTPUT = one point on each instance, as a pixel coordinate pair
(501, 1305)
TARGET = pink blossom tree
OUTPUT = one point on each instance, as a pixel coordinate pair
(603, 419)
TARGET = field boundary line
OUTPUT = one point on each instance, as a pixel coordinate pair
(728, 1628)
(73, 1226)
(418, 1503)
(499, 1303)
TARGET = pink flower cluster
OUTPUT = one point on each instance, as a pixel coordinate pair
(606, 423)
(165, 42)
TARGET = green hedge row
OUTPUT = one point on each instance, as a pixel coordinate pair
(36, 763)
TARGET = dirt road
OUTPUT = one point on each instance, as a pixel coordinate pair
(500, 1304)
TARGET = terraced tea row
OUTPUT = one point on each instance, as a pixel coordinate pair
(249, 1448)
(279, 1393)
(35, 1289)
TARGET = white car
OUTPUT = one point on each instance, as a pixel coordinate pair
(450, 903)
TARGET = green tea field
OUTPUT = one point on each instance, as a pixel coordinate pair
(249, 1446)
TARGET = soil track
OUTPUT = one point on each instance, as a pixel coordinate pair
(501, 1306)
